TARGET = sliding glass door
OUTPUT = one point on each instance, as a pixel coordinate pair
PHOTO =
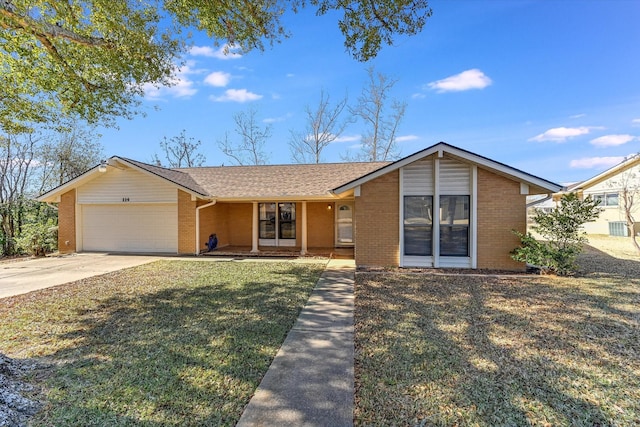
(277, 224)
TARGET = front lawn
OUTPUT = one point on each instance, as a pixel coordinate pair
(455, 350)
(168, 343)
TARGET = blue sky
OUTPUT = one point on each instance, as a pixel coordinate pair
(549, 87)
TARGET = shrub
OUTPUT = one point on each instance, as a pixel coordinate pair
(561, 231)
(38, 238)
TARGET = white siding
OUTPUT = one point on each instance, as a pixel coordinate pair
(455, 178)
(127, 186)
(417, 178)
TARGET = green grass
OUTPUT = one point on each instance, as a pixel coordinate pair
(168, 343)
(493, 351)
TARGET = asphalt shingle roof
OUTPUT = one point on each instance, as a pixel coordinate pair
(174, 175)
(264, 181)
(314, 180)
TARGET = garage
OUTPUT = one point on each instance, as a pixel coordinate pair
(129, 227)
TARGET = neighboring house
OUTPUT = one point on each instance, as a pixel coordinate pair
(609, 187)
(440, 207)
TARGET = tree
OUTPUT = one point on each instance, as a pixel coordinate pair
(561, 231)
(250, 149)
(381, 119)
(16, 163)
(67, 154)
(323, 126)
(628, 185)
(181, 152)
(94, 57)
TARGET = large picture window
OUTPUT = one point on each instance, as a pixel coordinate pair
(418, 225)
(454, 226)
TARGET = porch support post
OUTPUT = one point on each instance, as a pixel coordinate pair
(303, 249)
(254, 229)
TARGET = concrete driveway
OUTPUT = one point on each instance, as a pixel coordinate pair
(20, 277)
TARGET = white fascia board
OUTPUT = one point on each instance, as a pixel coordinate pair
(619, 168)
(53, 195)
(442, 147)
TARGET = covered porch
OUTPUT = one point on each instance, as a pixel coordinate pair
(277, 228)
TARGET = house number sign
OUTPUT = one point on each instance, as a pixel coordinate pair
(125, 199)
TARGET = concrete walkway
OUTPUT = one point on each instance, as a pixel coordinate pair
(310, 381)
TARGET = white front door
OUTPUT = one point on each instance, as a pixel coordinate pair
(344, 224)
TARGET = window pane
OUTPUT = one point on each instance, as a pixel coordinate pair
(287, 220)
(600, 198)
(454, 225)
(267, 229)
(418, 225)
(612, 199)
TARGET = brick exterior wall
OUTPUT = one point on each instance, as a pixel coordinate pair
(320, 224)
(67, 222)
(376, 225)
(501, 208)
(186, 223)
(239, 220)
(213, 219)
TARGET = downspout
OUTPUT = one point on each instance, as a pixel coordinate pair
(198, 224)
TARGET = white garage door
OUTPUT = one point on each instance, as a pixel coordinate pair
(130, 228)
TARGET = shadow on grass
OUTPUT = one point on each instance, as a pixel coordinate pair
(181, 345)
(598, 264)
(496, 351)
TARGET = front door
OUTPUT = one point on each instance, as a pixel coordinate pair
(344, 224)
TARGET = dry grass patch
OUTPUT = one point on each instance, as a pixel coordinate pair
(168, 343)
(490, 351)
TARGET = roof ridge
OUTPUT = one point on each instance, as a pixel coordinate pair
(281, 165)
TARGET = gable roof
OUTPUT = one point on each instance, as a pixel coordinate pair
(612, 171)
(175, 176)
(310, 181)
(461, 154)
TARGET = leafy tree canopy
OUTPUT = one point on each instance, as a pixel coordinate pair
(93, 57)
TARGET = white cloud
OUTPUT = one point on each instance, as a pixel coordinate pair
(224, 52)
(418, 96)
(218, 79)
(236, 95)
(612, 140)
(596, 162)
(466, 80)
(561, 134)
(407, 138)
(348, 138)
(635, 122)
(278, 119)
(181, 85)
(577, 116)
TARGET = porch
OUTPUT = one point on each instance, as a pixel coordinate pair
(281, 252)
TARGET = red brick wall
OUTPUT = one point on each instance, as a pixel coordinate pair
(320, 224)
(67, 222)
(377, 219)
(501, 208)
(186, 223)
